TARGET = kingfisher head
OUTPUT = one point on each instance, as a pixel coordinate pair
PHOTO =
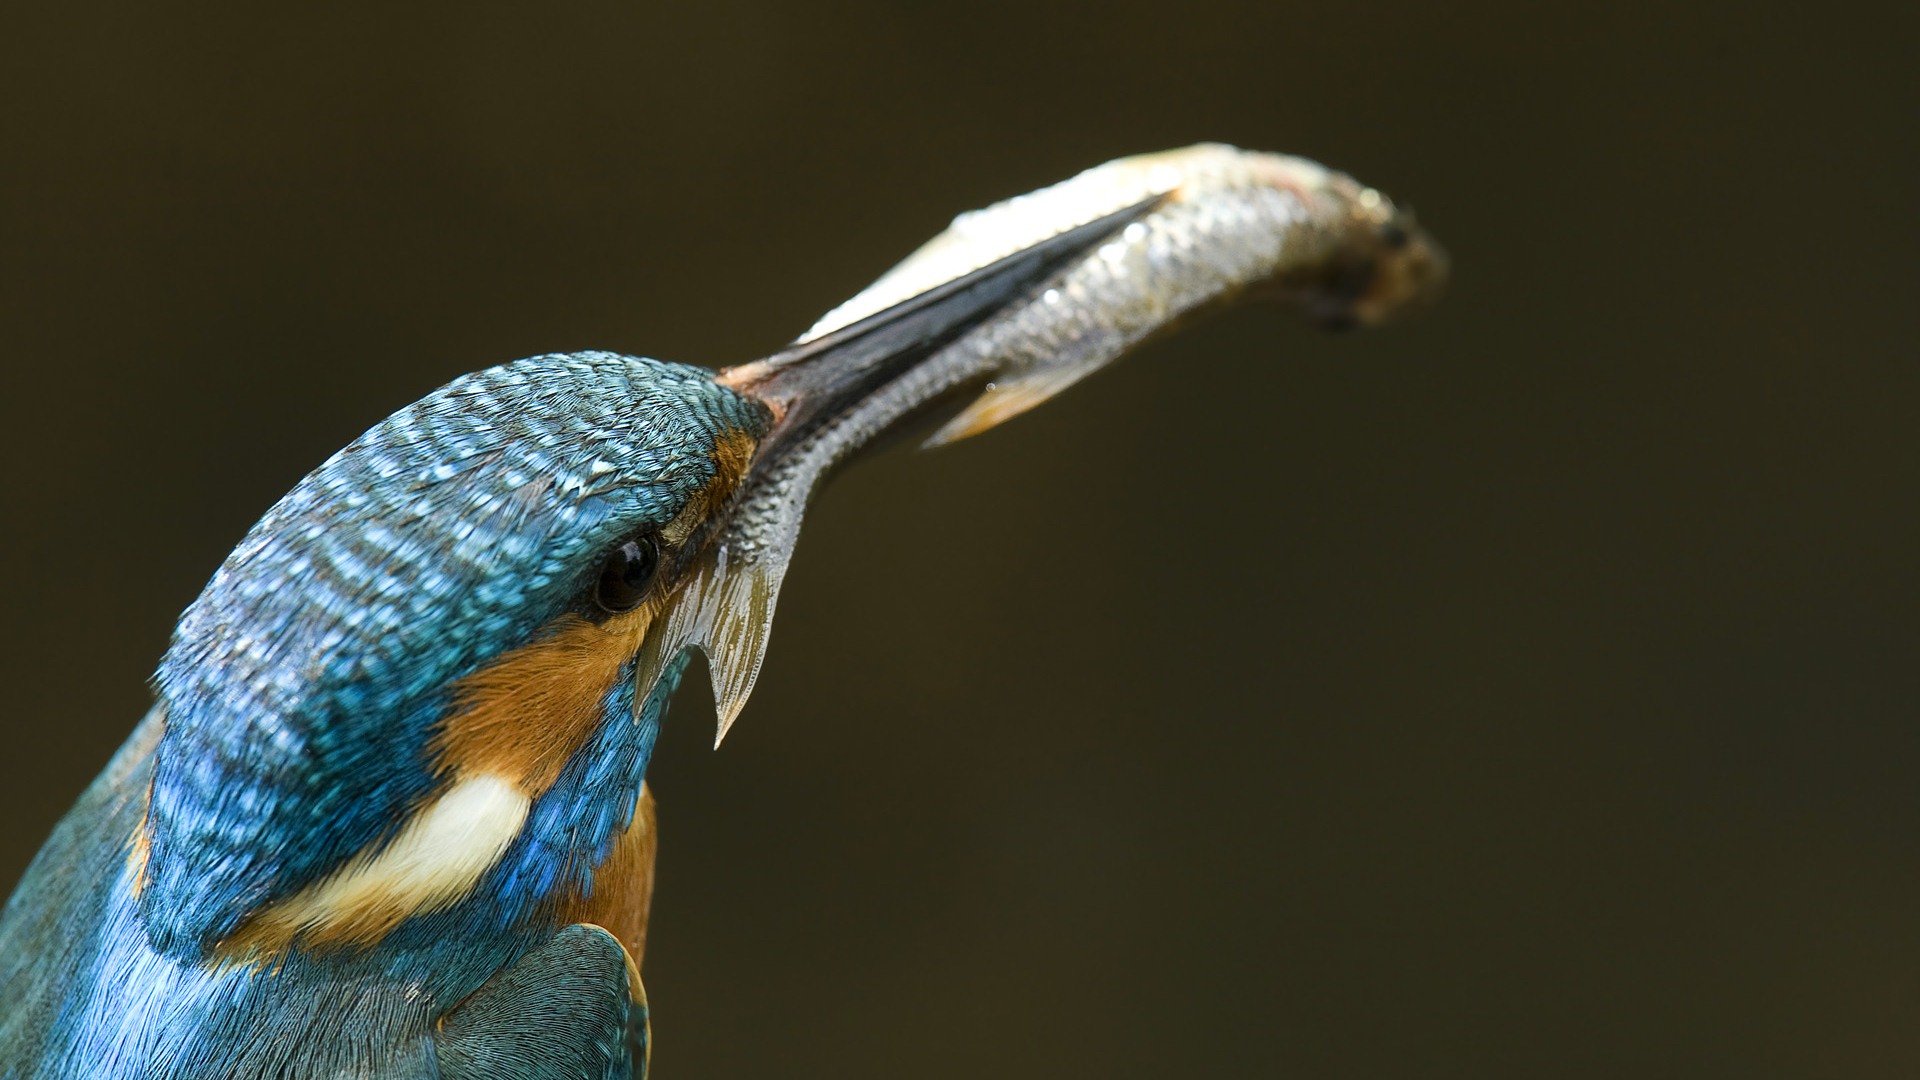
(414, 677)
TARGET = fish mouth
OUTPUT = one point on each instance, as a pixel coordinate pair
(1409, 272)
(1387, 267)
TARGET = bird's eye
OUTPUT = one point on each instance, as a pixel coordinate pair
(626, 575)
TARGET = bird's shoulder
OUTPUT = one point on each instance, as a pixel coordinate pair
(572, 1008)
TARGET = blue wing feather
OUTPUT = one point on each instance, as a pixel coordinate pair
(564, 1012)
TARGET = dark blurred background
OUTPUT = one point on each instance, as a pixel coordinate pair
(1524, 691)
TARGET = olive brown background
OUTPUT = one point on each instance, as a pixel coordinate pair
(1525, 690)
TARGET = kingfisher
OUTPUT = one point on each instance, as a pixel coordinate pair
(387, 816)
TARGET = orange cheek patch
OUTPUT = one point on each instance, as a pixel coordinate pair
(525, 714)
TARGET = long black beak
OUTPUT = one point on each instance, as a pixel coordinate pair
(817, 382)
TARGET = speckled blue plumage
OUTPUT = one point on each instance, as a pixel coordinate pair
(298, 696)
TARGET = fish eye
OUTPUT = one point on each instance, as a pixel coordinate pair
(625, 575)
